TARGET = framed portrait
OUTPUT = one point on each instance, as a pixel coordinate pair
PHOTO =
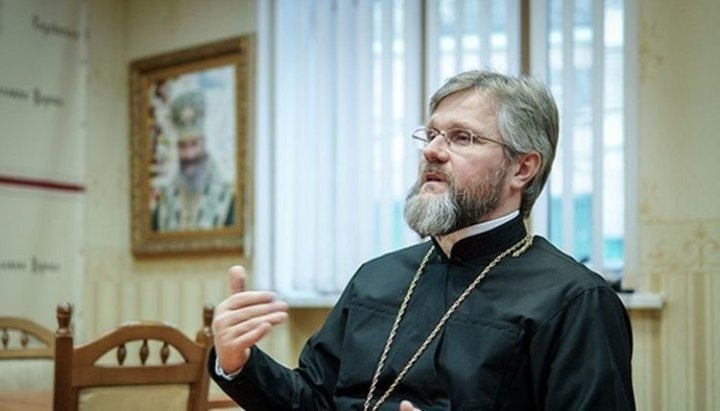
(189, 127)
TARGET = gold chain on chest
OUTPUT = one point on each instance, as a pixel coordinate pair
(517, 249)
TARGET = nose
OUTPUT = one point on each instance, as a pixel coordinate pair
(437, 151)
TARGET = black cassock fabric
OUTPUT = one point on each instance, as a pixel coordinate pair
(541, 332)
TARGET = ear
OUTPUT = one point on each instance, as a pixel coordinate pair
(526, 167)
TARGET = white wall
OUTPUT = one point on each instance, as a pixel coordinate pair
(117, 286)
(677, 362)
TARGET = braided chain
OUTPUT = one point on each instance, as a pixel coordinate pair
(393, 331)
(517, 249)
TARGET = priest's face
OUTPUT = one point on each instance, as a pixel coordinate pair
(192, 153)
(459, 185)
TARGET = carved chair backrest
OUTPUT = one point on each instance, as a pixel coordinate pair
(24, 338)
(84, 368)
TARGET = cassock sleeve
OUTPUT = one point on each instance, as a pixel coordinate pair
(266, 385)
(581, 356)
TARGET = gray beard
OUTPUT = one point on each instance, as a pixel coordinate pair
(194, 178)
(441, 214)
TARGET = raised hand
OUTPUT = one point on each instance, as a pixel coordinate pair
(241, 320)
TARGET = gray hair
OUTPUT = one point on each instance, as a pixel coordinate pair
(527, 118)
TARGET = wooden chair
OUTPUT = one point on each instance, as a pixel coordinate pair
(84, 381)
(26, 355)
(24, 338)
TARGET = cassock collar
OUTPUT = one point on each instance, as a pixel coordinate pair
(487, 243)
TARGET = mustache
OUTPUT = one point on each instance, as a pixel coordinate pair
(435, 169)
(189, 162)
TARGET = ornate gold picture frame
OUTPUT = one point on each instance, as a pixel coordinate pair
(189, 126)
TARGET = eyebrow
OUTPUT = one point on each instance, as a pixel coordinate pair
(462, 126)
(454, 124)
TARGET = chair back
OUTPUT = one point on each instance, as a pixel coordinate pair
(26, 355)
(85, 379)
(24, 338)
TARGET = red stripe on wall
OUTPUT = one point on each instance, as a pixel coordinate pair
(41, 184)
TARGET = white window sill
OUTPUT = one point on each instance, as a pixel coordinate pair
(642, 301)
(632, 301)
(310, 300)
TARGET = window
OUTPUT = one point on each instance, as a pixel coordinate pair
(584, 64)
(341, 84)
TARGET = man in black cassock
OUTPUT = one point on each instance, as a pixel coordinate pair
(482, 316)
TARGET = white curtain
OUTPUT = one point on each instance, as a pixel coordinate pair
(579, 49)
(339, 92)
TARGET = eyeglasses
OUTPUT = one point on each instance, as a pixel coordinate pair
(457, 139)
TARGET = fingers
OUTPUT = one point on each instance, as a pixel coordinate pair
(408, 406)
(250, 333)
(244, 311)
(243, 319)
(236, 277)
(248, 298)
(241, 309)
(236, 353)
(239, 321)
(233, 339)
